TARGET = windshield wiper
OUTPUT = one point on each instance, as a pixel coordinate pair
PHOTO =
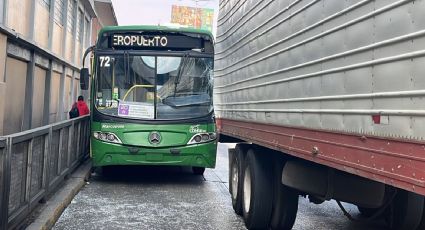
(187, 100)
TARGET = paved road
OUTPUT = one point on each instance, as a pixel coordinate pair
(173, 198)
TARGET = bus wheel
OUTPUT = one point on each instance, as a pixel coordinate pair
(198, 170)
(235, 178)
(285, 201)
(257, 191)
(406, 211)
(106, 171)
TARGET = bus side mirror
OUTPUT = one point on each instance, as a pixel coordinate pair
(84, 78)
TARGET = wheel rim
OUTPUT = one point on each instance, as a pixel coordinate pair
(235, 180)
(247, 189)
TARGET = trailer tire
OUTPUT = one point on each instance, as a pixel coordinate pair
(422, 224)
(285, 201)
(235, 178)
(406, 211)
(257, 191)
(367, 212)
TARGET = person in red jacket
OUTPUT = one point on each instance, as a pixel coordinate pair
(82, 106)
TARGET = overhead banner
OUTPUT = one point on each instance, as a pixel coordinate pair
(198, 18)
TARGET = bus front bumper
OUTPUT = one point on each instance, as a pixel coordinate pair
(200, 155)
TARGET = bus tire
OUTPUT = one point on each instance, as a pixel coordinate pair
(106, 171)
(285, 201)
(257, 191)
(235, 178)
(406, 211)
(198, 170)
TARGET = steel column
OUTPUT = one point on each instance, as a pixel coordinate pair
(29, 91)
(5, 156)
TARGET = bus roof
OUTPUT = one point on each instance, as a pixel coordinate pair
(154, 28)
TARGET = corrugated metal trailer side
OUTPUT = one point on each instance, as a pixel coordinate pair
(336, 82)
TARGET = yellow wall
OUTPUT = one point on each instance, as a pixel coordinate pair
(57, 39)
(16, 72)
(18, 16)
(38, 97)
(78, 54)
(67, 100)
(54, 97)
(41, 29)
(69, 53)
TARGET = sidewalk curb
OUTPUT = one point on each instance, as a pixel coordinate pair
(62, 198)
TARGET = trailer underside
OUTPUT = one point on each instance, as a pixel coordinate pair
(396, 162)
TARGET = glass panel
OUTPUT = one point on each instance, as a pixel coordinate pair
(59, 8)
(184, 87)
(126, 86)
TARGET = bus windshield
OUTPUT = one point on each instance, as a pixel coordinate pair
(154, 87)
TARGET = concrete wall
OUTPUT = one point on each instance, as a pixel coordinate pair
(40, 58)
(57, 39)
(41, 32)
(16, 71)
(18, 13)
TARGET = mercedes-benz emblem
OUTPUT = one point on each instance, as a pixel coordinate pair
(154, 138)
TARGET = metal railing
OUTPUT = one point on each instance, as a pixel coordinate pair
(33, 163)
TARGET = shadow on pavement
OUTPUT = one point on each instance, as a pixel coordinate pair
(147, 175)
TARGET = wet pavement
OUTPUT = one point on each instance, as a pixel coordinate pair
(174, 198)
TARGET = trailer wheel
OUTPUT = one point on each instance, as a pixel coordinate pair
(367, 212)
(257, 191)
(285, 201)
(422, 224)
(198, 170)
(235, 178)
(406, 211)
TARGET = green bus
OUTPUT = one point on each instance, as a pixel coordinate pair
(151, 90)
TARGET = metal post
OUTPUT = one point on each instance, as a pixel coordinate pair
(78, 141)
(59, 166)
(29, 89)
(47, 155)
(28, 175)
(32, 19)
(51, 23)
(62, 94)
(47, 91)
(4, 11)
(5, 183)
(65, 27)
(74, 32)
(70, 140)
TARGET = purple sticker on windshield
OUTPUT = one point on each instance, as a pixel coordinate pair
(123, 110)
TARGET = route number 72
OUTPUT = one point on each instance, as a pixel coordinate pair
(105, 61)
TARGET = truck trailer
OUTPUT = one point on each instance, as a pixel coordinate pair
(326, 99)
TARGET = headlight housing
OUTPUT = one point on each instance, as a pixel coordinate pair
(202, 138)
(107, 137)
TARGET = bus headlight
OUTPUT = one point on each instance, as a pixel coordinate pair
(202, 138)
(108, 137)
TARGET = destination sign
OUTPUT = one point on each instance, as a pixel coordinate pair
(139, 40)
(154, 41)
